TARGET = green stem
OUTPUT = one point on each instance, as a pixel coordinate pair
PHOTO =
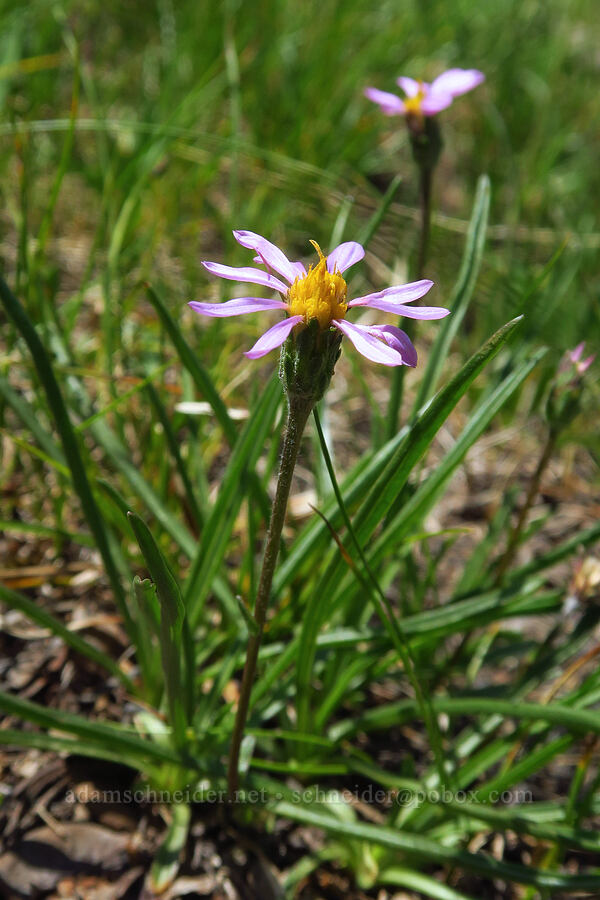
(425, 185)
(534, 486)
(298, 413)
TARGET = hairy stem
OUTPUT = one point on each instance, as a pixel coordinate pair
(298, 413)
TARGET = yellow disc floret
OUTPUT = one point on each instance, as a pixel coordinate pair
(318, 295)
(412, 105)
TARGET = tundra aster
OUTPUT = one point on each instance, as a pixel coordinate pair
(320, 294)
(422, 99)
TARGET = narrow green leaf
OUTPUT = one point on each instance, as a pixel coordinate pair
(416, 881)
(218, 527)
(11, 526)
(65, 156)
(415, 508)
(32, 421)
(580, 540)
(202, 379)
(37, 453)
(148, 496)
(381, 497)
(148, 618)
(387, 617)
(247, 616)
(313, 541)
(526, 821)
(424, 498)
(424, 429)
(173, 443)
(122, 398)
(114, 738)
(174, 632)
(519, 771)
(580, 721)
(462, 293)
(168, 857)
(40, 740)
(424, 848)
(17, 314)
(205, 386)
(376, 219)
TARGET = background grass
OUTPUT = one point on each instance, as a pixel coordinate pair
(194, 118)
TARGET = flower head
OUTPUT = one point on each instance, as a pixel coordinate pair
(319, 295)
(422, 99)
(566, 395)
(573, 357)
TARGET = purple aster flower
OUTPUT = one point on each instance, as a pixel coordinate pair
(320, 293)
(574, 357)
(422, 99)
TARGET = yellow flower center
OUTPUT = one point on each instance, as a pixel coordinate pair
(412, 105)
(318, 295)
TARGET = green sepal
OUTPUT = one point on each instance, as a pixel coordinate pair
(308, 360)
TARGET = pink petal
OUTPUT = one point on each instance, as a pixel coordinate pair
(435, 102)
(457, 81)
(398, 294)
(575, 354)
(583, 366)
(369, 346)
(390, 104)
(299, 267)
(246, 274)
(411, 312)
(238, 307)
(398, 340)
(268, 254)
(273, 338)
(344, 256)
(410, 87)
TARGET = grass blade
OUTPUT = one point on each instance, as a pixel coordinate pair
(113, 737)
(202, 379)
(581, 721)
(174, 633)
(462, 293)
(19, 317)
(219, 524)
(419, 504)
(382, 496)
(415, 845)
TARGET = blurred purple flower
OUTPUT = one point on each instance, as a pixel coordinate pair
(422, 99)
(581, 365)
(320, 293)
